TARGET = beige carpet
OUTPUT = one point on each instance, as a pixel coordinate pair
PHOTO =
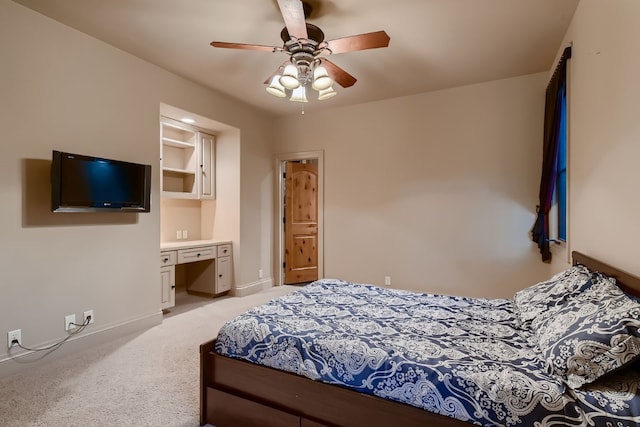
(149, 379)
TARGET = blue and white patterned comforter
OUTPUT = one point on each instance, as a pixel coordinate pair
(461, 357)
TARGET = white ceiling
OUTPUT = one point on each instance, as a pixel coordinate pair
(435, 44)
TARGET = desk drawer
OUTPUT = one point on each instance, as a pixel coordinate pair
(196, 254)
(224, 250)
(168, 258)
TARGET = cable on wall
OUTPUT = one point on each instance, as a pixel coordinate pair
(55, 346)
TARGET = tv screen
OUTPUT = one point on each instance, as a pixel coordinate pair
(89, 184)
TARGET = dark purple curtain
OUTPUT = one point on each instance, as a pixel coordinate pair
(552, 114)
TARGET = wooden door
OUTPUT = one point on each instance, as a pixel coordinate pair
(301, 223)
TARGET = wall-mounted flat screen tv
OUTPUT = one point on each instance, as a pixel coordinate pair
(91, 184)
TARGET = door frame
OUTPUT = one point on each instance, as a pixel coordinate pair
(279, 226)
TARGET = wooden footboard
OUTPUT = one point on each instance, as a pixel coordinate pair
(237, 393)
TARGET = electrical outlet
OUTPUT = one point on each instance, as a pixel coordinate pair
(69, 321)
(14, 336)
(387, 280)
(85, 315)
(260, 274)
(185, 234)
(179, 234)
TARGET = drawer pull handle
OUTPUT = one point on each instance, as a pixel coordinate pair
(173, 287)
(220, 276)
(198, 255)
(224, 251)
(165, 260)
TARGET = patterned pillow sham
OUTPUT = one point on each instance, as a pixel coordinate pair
(537, 299)
(590, 334)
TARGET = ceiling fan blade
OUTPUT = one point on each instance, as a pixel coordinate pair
(227, 45)
(293, 14)
(339, 75)
(360, 42)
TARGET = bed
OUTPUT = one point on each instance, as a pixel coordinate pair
(453, 361)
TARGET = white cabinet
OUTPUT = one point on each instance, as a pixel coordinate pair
(223, 281)
(223, 268)
(167, 279)
(187, 158)
(206, 268)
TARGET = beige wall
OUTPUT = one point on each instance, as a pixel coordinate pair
(605, 132)
(181, 214)
(435, 190)
(61, 89)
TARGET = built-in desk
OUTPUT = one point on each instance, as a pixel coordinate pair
(208, 273)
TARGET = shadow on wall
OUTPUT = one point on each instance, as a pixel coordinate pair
(36, 202)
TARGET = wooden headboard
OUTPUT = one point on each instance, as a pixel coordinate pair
(627, 282)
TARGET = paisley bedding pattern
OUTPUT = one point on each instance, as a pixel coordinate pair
(470, 359)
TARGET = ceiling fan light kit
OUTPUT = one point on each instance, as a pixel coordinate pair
(305, 44)
(321, 79)
(275, 88)
(299, 94)
(296, 78)
(326, 93)
(289, 78)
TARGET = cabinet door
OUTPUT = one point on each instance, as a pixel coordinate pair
(167, 286)
(223, 270)
(207, 166)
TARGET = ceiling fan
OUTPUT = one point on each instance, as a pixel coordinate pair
(306, 47)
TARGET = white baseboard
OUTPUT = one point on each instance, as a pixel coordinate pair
(85, 340)
(251, 288)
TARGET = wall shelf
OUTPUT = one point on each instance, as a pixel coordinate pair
(180, 171)
(187, 158)
(175, 143)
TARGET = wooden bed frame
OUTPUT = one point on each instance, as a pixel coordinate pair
(236, 393)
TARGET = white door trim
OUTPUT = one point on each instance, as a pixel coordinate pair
(280, 159)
